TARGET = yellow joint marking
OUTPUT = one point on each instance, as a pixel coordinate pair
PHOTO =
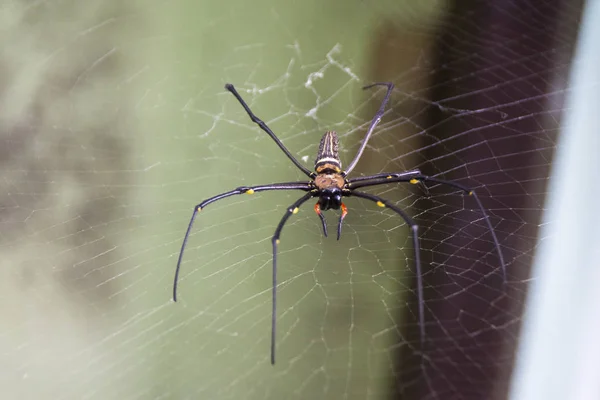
(388, 177)
(295, 210)
(380, 204)
(198, 209)
(470, 193)
(414, 181)
(250, 191)
(277, 241)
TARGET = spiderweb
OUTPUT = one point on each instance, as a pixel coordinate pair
(115, 123)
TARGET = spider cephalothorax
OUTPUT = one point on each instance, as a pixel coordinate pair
(330, 184)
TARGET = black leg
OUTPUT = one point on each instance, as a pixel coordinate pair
(265, 128)
(323, 222)
(386, 175)
(293, 209)
(243, 189)
(342, 216)
(418, 178)
(374, 122)
(390, 175)
(417, 249)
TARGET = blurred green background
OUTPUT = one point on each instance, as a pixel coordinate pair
(115, 124)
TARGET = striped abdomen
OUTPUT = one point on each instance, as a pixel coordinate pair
(327, 157)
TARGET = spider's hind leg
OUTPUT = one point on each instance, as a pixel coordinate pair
(414, 228)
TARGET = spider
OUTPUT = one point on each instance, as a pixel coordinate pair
(329, 183)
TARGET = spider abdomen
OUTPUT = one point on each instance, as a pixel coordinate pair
(327, 156)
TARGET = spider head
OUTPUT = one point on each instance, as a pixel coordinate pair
(330, 198)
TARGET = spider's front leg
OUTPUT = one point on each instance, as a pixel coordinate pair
(324, 222)
(322, 217)
(304, 186)
(392, 176)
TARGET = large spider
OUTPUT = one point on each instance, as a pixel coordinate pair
(329, 183)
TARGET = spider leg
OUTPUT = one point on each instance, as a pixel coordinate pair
(389, 175)
(323, 222)
(293, 209)
(342, 216)
(242, 189)
(374, 122)
(418, 177)
(417, 249)
(268, 130)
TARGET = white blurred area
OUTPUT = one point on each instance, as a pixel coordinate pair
(559, 354)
